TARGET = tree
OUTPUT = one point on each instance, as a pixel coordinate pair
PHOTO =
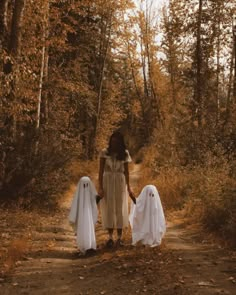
(14, 50)
(3, 21)
(145, 31)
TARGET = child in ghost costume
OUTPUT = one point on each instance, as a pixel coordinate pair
(83, 214)
(147, 218)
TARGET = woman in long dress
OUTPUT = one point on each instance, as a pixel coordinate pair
(114, 187)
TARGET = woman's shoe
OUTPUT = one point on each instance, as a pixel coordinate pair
(90, 252)
(120, 243)
(110, 243)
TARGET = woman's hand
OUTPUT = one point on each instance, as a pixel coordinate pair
(131, 194)
(101, 192)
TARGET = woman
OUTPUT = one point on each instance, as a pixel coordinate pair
(114, 187)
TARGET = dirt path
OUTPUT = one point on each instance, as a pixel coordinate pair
(204, 267)
(184, 264)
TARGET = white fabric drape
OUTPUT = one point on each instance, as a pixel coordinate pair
(147, 218)
(83, 214)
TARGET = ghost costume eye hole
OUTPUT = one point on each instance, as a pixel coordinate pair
(152, 195)
(85, 185)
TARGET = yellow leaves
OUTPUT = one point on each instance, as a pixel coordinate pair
(136, 108)
(50, 244)
(15, 251)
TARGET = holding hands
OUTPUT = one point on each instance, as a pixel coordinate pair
(132, 196)
(101, 192)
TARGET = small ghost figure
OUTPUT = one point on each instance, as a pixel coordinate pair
(147, 218)
(83, 214)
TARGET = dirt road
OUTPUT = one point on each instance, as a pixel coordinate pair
(186, 263)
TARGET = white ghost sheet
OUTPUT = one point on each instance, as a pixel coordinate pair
(147, 218)
(83, 214)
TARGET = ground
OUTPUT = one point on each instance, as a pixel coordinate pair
(38, 255)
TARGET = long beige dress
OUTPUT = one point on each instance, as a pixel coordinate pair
(114, 205)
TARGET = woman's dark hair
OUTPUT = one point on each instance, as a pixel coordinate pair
(121, 148)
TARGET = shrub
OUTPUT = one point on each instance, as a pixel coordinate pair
(207, 190)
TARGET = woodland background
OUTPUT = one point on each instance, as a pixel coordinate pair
(73, 71)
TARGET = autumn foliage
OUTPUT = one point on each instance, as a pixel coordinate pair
(73, 71)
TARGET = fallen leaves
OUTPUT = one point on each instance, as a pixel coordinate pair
(232, 279)
(206, 284)
(131, 270)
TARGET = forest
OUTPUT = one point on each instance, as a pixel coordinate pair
(72, 71)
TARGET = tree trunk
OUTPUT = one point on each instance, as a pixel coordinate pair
(44, 70)
(104, 58)
(40, 88)
(14, 48)
(139, 96)
(218, 65)
(234, 86)
(217, 81)
(155, 102)
(104, 47)
(198, 90)
(145, 84)
(3, 22)
(152, 97)
(132, 72)
(42, 101)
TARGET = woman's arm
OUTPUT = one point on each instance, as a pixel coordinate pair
(100, 177)
(126, 166)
